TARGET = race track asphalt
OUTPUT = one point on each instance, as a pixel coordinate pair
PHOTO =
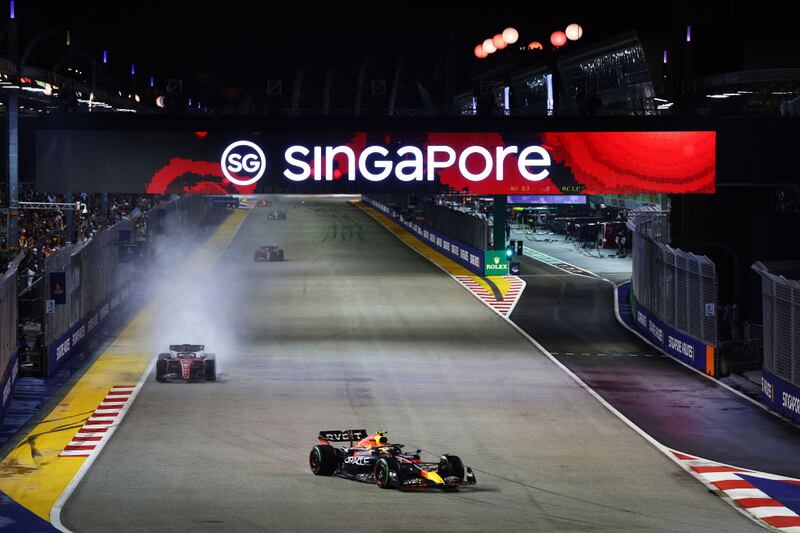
(355, 330)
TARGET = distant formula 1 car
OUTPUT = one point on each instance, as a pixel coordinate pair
(188, 362)
(262, 203)
(271, 252)
(277, 215)
(373, 459)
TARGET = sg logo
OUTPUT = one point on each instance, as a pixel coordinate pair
(243, 157)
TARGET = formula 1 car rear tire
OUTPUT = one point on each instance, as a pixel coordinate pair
(451, 465)
(323, 460)
(211, 370)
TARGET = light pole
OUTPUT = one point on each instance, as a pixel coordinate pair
(13, 137)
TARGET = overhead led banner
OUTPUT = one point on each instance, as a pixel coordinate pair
(545, 163)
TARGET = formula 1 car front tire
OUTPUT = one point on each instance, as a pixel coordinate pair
(451, 465)
(162, 368)
(323, 460)
(383, 473)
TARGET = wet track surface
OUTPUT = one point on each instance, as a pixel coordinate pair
(357, 330)
(571, 316)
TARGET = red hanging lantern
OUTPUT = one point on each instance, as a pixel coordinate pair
(558, 38)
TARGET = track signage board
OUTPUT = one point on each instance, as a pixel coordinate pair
(495, 263)
(490, 163)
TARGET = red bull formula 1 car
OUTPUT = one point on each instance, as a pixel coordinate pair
(187, 362)
(373, 459)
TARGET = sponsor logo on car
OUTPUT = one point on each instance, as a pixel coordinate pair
(359, 460)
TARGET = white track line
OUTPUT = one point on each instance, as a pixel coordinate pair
(663, 449)
(55, 512)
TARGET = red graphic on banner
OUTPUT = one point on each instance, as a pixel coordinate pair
(175, 177)
(637, 161)
(535, 163)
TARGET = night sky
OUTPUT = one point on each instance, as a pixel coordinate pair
(236, 43)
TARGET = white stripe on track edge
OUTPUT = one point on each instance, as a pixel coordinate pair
(55, 511)
(646, 436)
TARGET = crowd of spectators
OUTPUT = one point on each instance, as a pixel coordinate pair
(43, 231)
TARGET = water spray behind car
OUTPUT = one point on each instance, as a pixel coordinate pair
(195, 302)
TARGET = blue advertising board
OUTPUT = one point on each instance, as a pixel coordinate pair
(465, 255)
(679, 345)
(781, 395)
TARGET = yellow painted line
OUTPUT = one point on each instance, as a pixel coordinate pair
(33, 474)
(503, 283)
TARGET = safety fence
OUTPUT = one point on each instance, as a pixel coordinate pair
(674, 293)
(8, 332)
(467, 256)
(780, 375)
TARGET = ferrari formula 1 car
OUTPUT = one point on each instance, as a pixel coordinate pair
(276, 215)
(188, 362)
(373, 459)
(271, 252)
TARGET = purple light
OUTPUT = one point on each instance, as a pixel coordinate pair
(190, 102)
(13, 15)
(533, 199)
(133, 69)
(688, 34)
(105, 56)
(198, 105)
(152, 81)
(665, 57)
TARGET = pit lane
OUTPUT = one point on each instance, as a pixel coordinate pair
(356, 330)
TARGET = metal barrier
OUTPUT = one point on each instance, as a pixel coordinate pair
(677, 287)
(780, 376)
(8, 332)
(781, 309)
(94, 273)
(8, 314)
(462, 226)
